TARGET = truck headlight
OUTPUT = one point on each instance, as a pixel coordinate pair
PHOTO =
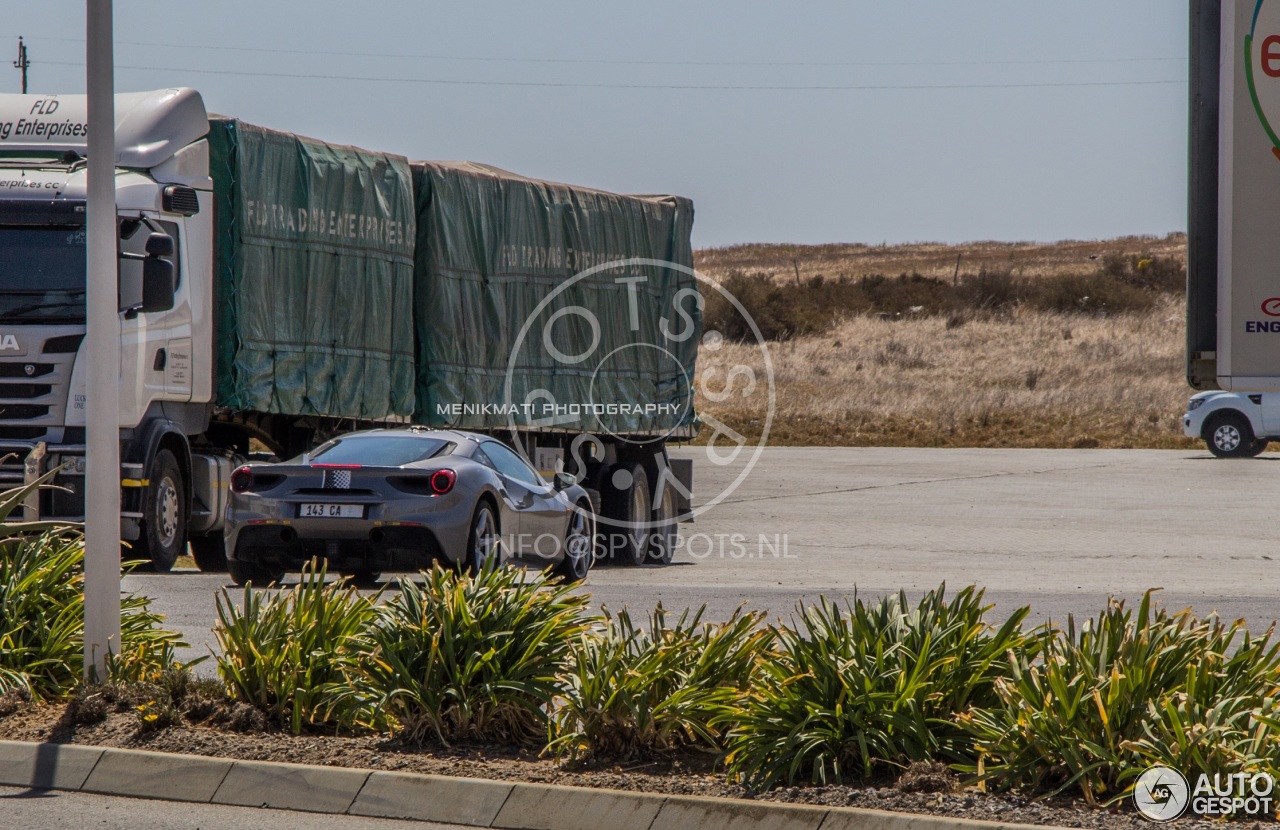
(1194, 404)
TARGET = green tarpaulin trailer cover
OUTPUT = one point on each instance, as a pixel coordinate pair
(543, 305)
(313, 275)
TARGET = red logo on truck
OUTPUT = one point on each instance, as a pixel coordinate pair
(1271, 307)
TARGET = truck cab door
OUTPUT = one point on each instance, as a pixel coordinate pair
(155, 347)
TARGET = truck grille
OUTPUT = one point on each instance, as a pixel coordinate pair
(22, 411)
(25, 370)
(24, 390)
(34, 391)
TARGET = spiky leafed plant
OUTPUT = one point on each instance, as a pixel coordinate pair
(287, 652)
(659, 687)
(876, 684)
(42, 609)
(1126, 690)
(469, 658)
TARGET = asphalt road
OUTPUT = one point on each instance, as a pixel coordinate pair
(1059, 530)
(50, 810)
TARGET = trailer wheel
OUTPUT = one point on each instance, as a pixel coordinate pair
(210, 553)
(666, 532)
(164, 517)
(1229, 435)
(627, 508)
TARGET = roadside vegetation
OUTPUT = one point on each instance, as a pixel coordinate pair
(837, 694)
(42, 613)
(1066, 345)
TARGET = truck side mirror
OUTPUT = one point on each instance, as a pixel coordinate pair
(157, 283)
(160, 245)
(157, 274)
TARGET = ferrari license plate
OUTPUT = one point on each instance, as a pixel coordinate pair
(331, 511)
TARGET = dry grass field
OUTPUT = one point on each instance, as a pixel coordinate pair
(1010, 378)
(1029, 259)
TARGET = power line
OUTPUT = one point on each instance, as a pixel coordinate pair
(572, 85)
(628, 62)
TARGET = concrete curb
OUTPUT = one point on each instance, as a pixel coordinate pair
(466, 801)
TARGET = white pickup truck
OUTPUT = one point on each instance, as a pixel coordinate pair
(1233, 424)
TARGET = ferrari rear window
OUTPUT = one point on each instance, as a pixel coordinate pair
(378, 450)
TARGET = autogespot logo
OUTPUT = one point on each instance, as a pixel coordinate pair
(567, 339)
(1161, 794)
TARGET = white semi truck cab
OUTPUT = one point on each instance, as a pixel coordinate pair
(164, 203)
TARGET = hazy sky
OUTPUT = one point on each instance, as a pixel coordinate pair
(871, 121)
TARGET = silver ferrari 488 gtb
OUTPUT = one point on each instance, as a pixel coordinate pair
(400, 499)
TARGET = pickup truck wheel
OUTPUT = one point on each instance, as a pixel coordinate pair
(164, 515)
(210, 553)
(1258, 448)
(242, 573)
(1229, 436)
(627, 509)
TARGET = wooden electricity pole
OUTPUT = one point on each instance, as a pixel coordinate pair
(22, 63)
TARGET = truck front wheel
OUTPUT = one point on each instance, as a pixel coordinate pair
(164, 515)
(1229, 435)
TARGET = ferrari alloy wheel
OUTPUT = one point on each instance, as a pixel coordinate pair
(482, 546)
(579, 546)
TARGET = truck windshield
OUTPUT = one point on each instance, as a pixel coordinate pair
(42, 273)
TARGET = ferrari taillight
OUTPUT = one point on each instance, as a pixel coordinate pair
(242, 480)
(442, 481)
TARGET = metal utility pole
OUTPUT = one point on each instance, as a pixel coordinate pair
(22, 63)
(102, 339)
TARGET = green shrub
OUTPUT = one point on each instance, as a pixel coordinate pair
(463, 658)
(286, 651)
(42, 619)
(1122, 692)
(659, 688)
(878, 685)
